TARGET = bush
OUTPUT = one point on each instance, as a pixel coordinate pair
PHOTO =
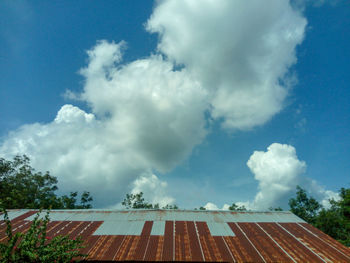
(35, 246)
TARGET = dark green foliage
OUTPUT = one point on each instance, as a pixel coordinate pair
(22, 187)
(174, 207)
(275, 208)
(136, 201)
(333, 221)
(35, 246)
(70, 202)
(305, 207)
(235, 207)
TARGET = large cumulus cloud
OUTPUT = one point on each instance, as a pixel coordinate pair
(145, 117)
(227, 59)
(240, 51)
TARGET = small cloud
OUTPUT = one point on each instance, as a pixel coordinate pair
(154, 190)
(278, 172)
(70, 95)
(301, 124)
(211, 206)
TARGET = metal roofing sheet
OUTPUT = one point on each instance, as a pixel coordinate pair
(158, 228)
(120, 228)
(13, 214)
(168, 235)
(171, 215)
(220, 229)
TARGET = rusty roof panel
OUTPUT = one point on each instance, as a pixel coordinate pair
(330, 242)
(168, 245)
(294, 249)
(151, 251)
(269, 250)
(167, 235)
(326, 250)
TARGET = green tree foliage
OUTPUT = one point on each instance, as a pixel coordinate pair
(136, 201)
(174, 207)
(334, 221)
(305, 207)
(22, 187)
(35, 246)
(235, 207)
(275, 208)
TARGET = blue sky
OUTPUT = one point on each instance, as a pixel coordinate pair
(191, 144)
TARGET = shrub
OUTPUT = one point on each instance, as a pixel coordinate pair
(35, 246)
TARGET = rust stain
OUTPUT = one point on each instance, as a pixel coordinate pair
(151, 251)
(124, 250)
(167, 249)
(236, 249)
(192, 241)
(93, 253)
(132, 249)
(206, 252)
(113, 247)
(247, 252)
(144, 241)
(160, 249)
(223, 250)
(90, 242)
(321, 247)
(267, 248)
(204, 234)
(296, 250)
(104, 248)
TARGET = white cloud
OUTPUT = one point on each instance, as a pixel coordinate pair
(145, 117)
(302, 4)
(240, 51)
(279, 171)
(211, 206)
(155, 190)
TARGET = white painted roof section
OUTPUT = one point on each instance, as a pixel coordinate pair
(220, 229)
(120, 228)
(12, 214)
(158, 228)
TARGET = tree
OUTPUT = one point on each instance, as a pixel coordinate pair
(275, 208)
(304, 206)
(235, 207)
(335, 220)
(22, 187)
(35, 246)
(174, 207)
(136, 201)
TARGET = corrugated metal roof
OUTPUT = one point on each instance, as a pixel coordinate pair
(180, 235)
